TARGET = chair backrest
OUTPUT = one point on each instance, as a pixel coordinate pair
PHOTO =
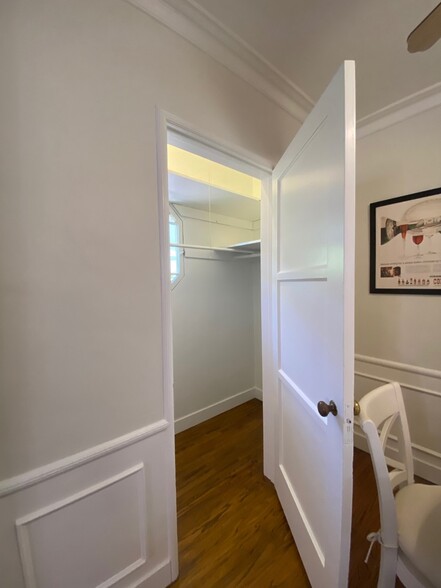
(380, 410)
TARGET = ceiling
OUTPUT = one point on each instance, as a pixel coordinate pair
(306, 41)
(203, 178)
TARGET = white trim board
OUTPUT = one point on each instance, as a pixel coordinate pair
(432, 375)
(427, 462)
(415, 380)
(56, 468)
(400, 111)
(188, 139)
(192, 22)
(388, 380)
(158, 577)
(208, 412)
(257, 165)
(403, 367)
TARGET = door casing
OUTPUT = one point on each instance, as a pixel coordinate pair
(166, 121)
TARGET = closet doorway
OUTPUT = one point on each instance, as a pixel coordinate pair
(214, 220)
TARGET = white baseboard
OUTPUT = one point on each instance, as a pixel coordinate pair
(427, 463)
(157, 578)
(258, 393)
(208, 412)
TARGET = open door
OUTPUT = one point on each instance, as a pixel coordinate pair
(313, 308)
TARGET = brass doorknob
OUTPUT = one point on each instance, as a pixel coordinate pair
(324, 409)
(356, 408)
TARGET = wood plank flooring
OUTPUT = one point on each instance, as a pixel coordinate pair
(232, 532)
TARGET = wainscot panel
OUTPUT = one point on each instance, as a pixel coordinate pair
(92, 519)
(422, 397)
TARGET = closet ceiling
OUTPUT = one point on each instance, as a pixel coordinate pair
(209, 199)
(306, 40)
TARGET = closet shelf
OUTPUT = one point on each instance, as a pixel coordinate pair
(247, 246)
(250, 247)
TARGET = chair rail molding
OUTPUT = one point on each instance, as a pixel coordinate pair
(388, 380)
(404, 367)
(56, 468)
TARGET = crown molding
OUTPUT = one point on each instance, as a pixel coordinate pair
(400, 111)
(188, 19)
(196, 25)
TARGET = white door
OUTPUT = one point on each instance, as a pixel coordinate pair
(313, 291)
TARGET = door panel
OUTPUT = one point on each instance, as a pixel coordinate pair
(313, 241)
(310, 497)
(296, 341)
(297, 247)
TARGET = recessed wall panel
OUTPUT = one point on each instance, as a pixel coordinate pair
(91, 539)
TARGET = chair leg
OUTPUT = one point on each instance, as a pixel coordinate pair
(388, 567)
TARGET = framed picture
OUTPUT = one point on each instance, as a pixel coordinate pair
(405, 244)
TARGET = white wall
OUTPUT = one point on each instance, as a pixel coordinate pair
(399, 160)
(81, 378)
(80, 359)
(216, 337)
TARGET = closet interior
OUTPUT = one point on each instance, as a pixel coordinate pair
(214, 230)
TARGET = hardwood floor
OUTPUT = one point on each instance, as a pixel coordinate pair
(232, 532)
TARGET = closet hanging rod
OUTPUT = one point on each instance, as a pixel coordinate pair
(225, 249)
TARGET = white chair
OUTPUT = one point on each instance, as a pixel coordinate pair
(410, 534)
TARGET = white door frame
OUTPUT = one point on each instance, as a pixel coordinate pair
(165, 121)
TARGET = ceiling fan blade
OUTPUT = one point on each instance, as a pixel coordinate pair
(427, 33)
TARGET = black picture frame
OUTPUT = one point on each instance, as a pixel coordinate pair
(398, 228)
